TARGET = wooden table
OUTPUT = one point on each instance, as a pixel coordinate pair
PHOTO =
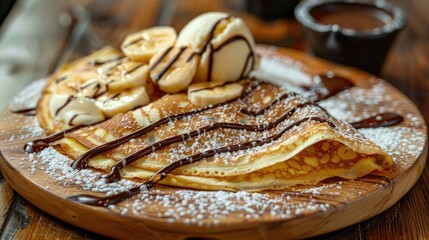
(38, 36)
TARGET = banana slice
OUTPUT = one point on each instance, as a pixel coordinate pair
(124, 74)
(82, 84)
(95, 59)
(141, 46)
(173, 69)
(113, 103)
(211, 93)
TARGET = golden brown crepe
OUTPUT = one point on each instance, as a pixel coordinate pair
(316, 147)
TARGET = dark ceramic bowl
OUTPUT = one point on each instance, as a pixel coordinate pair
(362, 47)
(271, 9)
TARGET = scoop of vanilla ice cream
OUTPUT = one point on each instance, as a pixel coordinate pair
(75, 111)
(223, 43)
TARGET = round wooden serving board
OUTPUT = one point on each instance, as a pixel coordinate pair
(299, 212)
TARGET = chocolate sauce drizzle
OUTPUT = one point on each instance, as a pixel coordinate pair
(74, 117)
(133, 42)
(81, 161)
(98, 88)
(163, 172)
(333, 83)
(379, 120)
(68, 101)
(42, 143)
(114, 171)
(98, 62)
(134, 69)
(210, 88)
(158, 61)
(272, 103)
(169, 64)
(107, 72)
(61, 79)
(31, 111)
(251, 56)
(328, 86)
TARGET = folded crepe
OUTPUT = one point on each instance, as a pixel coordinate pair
(266, 139)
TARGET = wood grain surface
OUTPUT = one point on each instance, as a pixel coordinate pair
(31, 42)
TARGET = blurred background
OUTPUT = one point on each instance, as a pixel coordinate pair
(39, 36)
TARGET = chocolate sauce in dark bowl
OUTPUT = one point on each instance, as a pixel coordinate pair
(358, 33)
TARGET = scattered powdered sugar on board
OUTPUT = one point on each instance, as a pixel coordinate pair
(57, 166)
(288, 76)
(399, 142)
(356, 103)
(30, 129)
(189, 206)
(192, 206)
(29, 96)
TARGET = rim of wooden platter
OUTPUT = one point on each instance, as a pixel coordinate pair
(346, 201)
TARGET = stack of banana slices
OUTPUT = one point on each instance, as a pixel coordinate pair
(110, 81)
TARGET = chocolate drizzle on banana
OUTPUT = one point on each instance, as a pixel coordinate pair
(134, 69)
(169, 64)
(98, 62)
(98, 88)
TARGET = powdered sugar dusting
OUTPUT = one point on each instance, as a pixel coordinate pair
(399, 142)
(196, 206)
(288, 75)
(28, 97)
(30, 129)
(57, 166)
